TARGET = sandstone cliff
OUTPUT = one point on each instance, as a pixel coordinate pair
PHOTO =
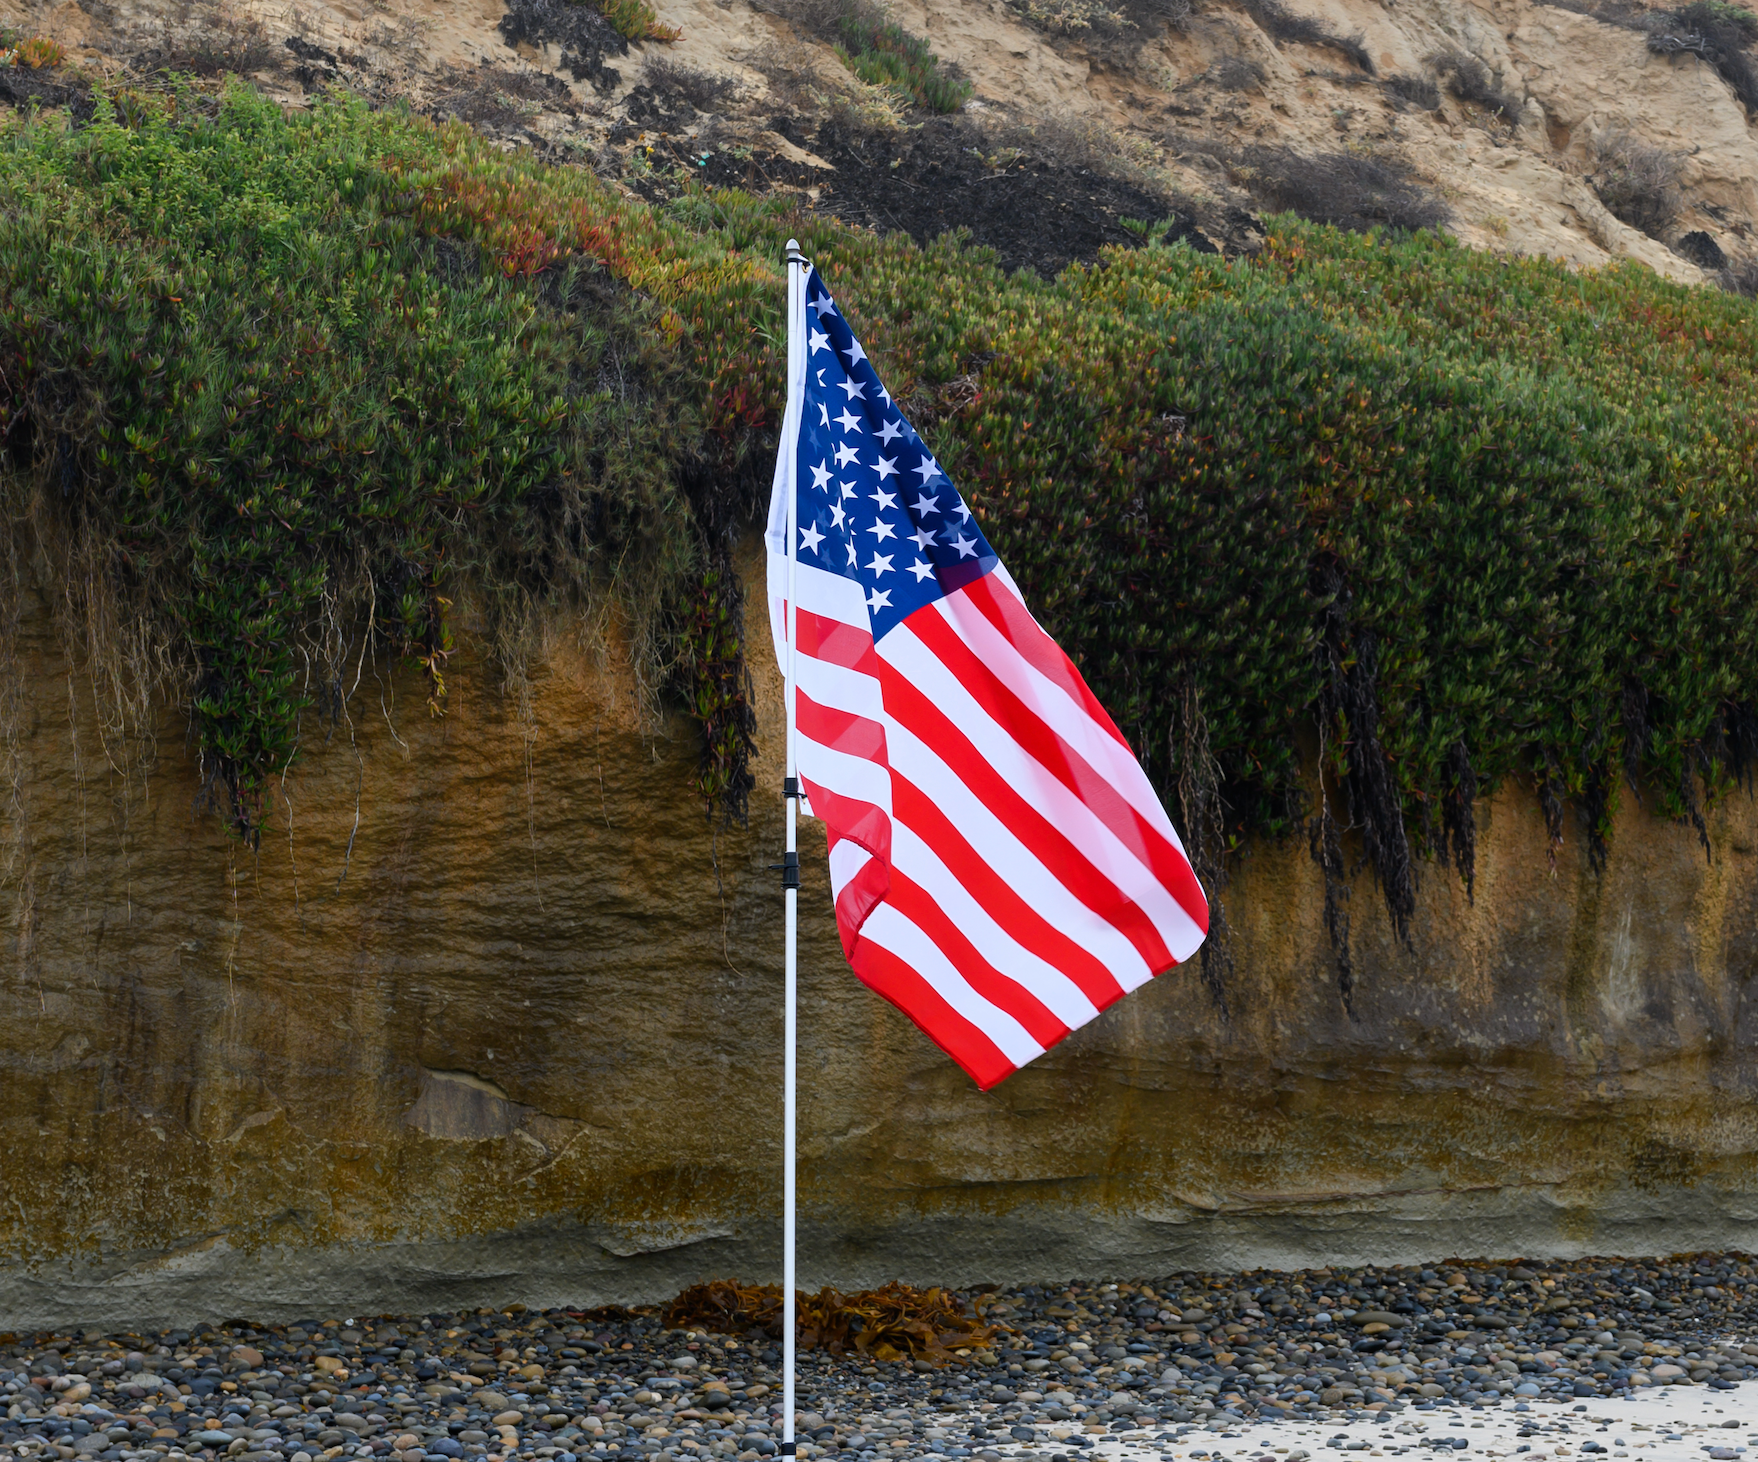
(493, 1014)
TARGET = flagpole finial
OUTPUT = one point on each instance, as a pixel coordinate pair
(794, 256)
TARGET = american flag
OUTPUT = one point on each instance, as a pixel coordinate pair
(1001, 867)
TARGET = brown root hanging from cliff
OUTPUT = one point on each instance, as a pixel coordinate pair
(521, 637)
(1550, 802)
(17, 866)
(1637, 733)
(1739, 742)
(1327, 851)
(13, 835)
(1459, 818)
(1348, 702)
(1203, 817)
(120, 664)
(711, 655)
(1598, 802)
(112, 643)
(1688, 798)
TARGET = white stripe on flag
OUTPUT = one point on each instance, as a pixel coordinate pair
(1053, 990)
(1016, 864)
(1040, 788)
(848, 776)
(847, 858)
(1058, 710)
(891, 930)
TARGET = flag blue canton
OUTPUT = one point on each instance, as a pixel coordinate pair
(874, 506)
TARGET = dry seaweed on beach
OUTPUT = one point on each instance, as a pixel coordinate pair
(887, 1324)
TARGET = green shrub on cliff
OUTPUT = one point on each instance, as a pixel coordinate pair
(1471, 518)
(254, 389)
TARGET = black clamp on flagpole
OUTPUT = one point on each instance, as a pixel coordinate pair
(787, 1449)
(790, 786)
(789, 870)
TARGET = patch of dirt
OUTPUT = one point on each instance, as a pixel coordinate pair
(1346, 189)
(25, 87)
(314, 68)
(648, 109)
(494, 96)
(947, 174)
(240, 50)
(583, 36)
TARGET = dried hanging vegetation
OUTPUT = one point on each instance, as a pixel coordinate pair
(886, 1324)
(1202, 815)
(1282, 23)
(1348, 708)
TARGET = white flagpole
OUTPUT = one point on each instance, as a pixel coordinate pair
(796, 380)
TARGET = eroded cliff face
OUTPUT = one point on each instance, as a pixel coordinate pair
(472, 1026)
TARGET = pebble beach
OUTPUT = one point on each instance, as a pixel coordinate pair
(1588, 1358)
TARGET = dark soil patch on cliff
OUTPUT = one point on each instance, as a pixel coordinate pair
(1035, 212)
(583, 34)
(25, 87)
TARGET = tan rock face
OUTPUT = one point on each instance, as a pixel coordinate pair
(459, 1034)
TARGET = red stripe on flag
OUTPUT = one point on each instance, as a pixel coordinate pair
(915, 810)
(885, 974)
(849, 817)
(1003, 609)
(1045, 745)
(839, 643)
(839, 730)
(909, 707)
(917, 905)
